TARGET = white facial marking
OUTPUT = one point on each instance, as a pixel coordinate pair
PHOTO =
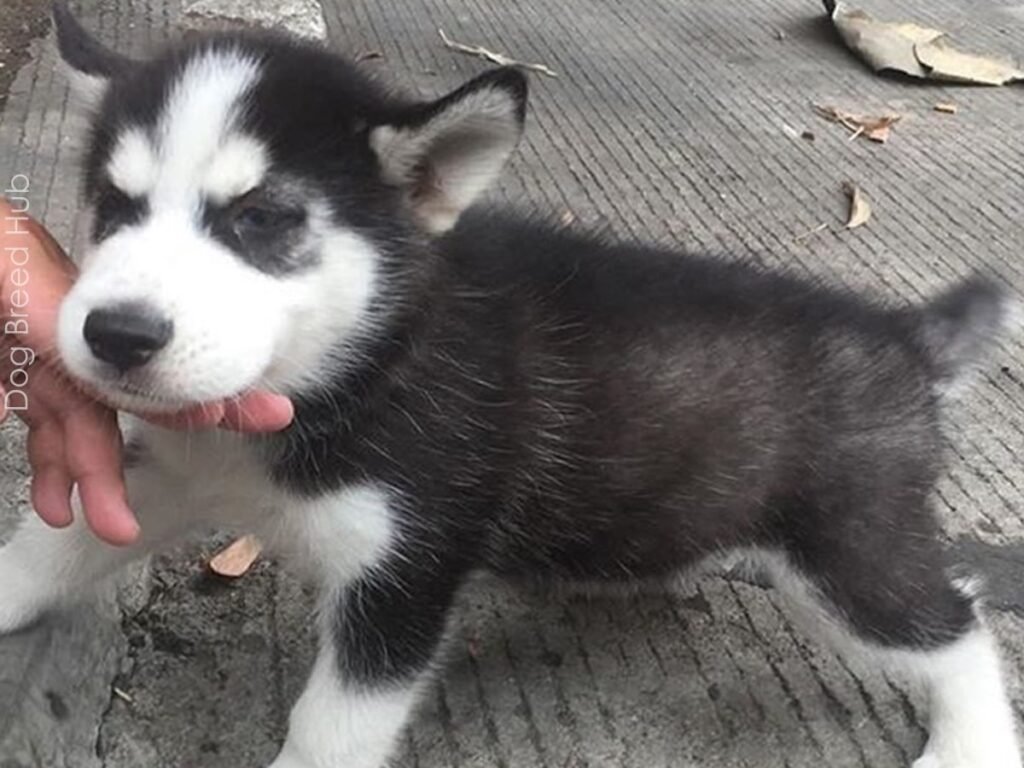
(198, 121)
(234, 326)
(227, 316)
(133, 166)
(237, 167)
(344, 282)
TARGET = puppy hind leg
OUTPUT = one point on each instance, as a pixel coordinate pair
(915, 621)
(971, 720)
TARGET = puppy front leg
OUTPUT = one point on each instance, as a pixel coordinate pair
(379, 640)
(43, 567)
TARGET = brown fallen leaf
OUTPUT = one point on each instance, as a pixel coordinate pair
(915, 50)
(944, 62)
(873, 127)
(860, 208)
(236, 558)
(946, 107)
(496, 58)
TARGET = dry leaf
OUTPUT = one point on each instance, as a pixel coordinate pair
(914, 50)
(369, 56)
(860, 208)
(873, 127)
(944, 62)
(879, 133)
(496, 58)
(236, 558)
(946, 107)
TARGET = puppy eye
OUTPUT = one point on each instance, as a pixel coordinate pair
(263, 220)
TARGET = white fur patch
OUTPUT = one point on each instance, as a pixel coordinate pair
(227, 316)
(238, 166)
(195, 149)
(335, 536)
(133, 166)
(972, 723)
(328, 314)
(335, 725)
(197, 124)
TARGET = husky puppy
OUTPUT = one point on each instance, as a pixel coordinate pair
(480, 392)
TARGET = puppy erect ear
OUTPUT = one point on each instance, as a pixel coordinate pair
(91, 64)
(447, 152)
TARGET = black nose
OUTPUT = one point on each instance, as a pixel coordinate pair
(126, 335)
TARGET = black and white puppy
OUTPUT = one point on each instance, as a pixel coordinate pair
(479, 392)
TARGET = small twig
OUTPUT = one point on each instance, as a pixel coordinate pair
(496, 58)
(123, 696)
(810, 233)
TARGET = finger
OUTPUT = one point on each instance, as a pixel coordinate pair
(51, 496)
(258, 412)
(51, 483)
(93, 449)
(202, 416)
(52, 247)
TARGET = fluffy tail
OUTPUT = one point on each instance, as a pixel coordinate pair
(959, 328)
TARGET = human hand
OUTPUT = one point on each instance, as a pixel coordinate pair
(74, 440)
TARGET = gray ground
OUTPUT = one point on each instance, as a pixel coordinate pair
(672, 120)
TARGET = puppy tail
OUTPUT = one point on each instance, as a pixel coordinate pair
(961, 326)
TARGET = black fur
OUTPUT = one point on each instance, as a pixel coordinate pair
(568, 407)
(81, 50)
(545, 403)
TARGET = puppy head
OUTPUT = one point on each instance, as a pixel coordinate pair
(260, 210)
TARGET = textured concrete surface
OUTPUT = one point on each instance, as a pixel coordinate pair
(673, 120)
(299, 17)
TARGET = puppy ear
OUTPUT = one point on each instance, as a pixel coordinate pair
(446, 153)
(91, 65)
